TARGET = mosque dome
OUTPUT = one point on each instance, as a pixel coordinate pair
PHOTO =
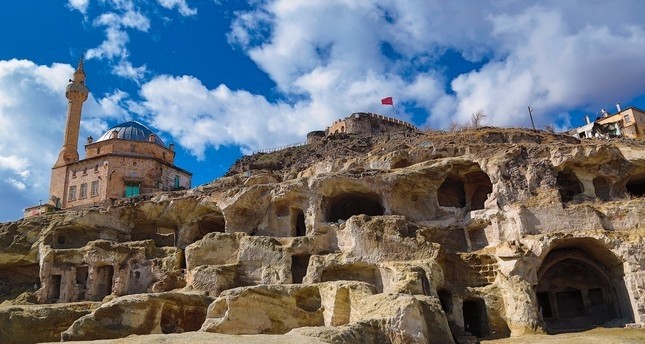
(131, 131)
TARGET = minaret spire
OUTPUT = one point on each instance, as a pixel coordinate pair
(76, 93)
(79, 73)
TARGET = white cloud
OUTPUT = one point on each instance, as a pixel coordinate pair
(553, 56)
(114, 47)
(79, 5)
(125, 69)
(181, 5)
(119, 18)
(32, 121)
(552, 68)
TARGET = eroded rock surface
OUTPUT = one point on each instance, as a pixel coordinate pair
(404, 238)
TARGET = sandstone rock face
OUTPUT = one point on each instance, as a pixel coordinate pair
(281, 308)
(42, 323)
(141, 314)
(404, 238)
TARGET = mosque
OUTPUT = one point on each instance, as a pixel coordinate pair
(128, 160)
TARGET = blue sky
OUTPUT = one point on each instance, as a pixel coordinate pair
(223, 78)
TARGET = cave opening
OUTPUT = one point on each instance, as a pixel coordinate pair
(70, 237)
(344, 206)
(544, 303)
(308, 299)
(636, 185)
(300, 225)
(210, 224)
(478, 187)
(452, 192)
(165, 233)
(105, 277)
(54, 291)
(299, 264)
(568, 185)
(401, 164)
(81, 281)
(581, 286)
(603, 189)
(470, 191)
(445, 298)
(475, 319)
(15, 280)
(361, 272)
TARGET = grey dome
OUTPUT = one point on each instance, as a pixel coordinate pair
(131, 131)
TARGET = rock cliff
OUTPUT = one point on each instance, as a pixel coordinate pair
(403, 237)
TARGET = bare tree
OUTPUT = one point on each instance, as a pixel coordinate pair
(477, 118)
(454, 126)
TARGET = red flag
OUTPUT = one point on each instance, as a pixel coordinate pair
(387, 101)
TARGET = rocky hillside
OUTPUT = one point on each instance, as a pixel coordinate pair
(409, 237)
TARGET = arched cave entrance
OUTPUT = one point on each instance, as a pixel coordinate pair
(580, 286)
(212, 223)
(568, 185)
(470, 190)
(636, 185)
(602, 187)
(344, 206)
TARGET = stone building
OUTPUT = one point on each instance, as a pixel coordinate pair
(128, 160)
(362, 123)
(629, 123)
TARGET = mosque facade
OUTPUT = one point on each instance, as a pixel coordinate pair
(128, 160)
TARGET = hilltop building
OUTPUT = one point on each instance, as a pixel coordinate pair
(362, 123)
(629, 123)
(128, 160)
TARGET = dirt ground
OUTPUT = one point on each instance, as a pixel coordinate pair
(595, 336)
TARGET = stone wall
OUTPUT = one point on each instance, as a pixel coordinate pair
(362, 123)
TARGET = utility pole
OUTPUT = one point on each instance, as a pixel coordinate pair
(531, 115)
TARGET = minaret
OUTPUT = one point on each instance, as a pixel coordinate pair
(76, 94)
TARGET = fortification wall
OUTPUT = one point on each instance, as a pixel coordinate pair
(368, 124)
